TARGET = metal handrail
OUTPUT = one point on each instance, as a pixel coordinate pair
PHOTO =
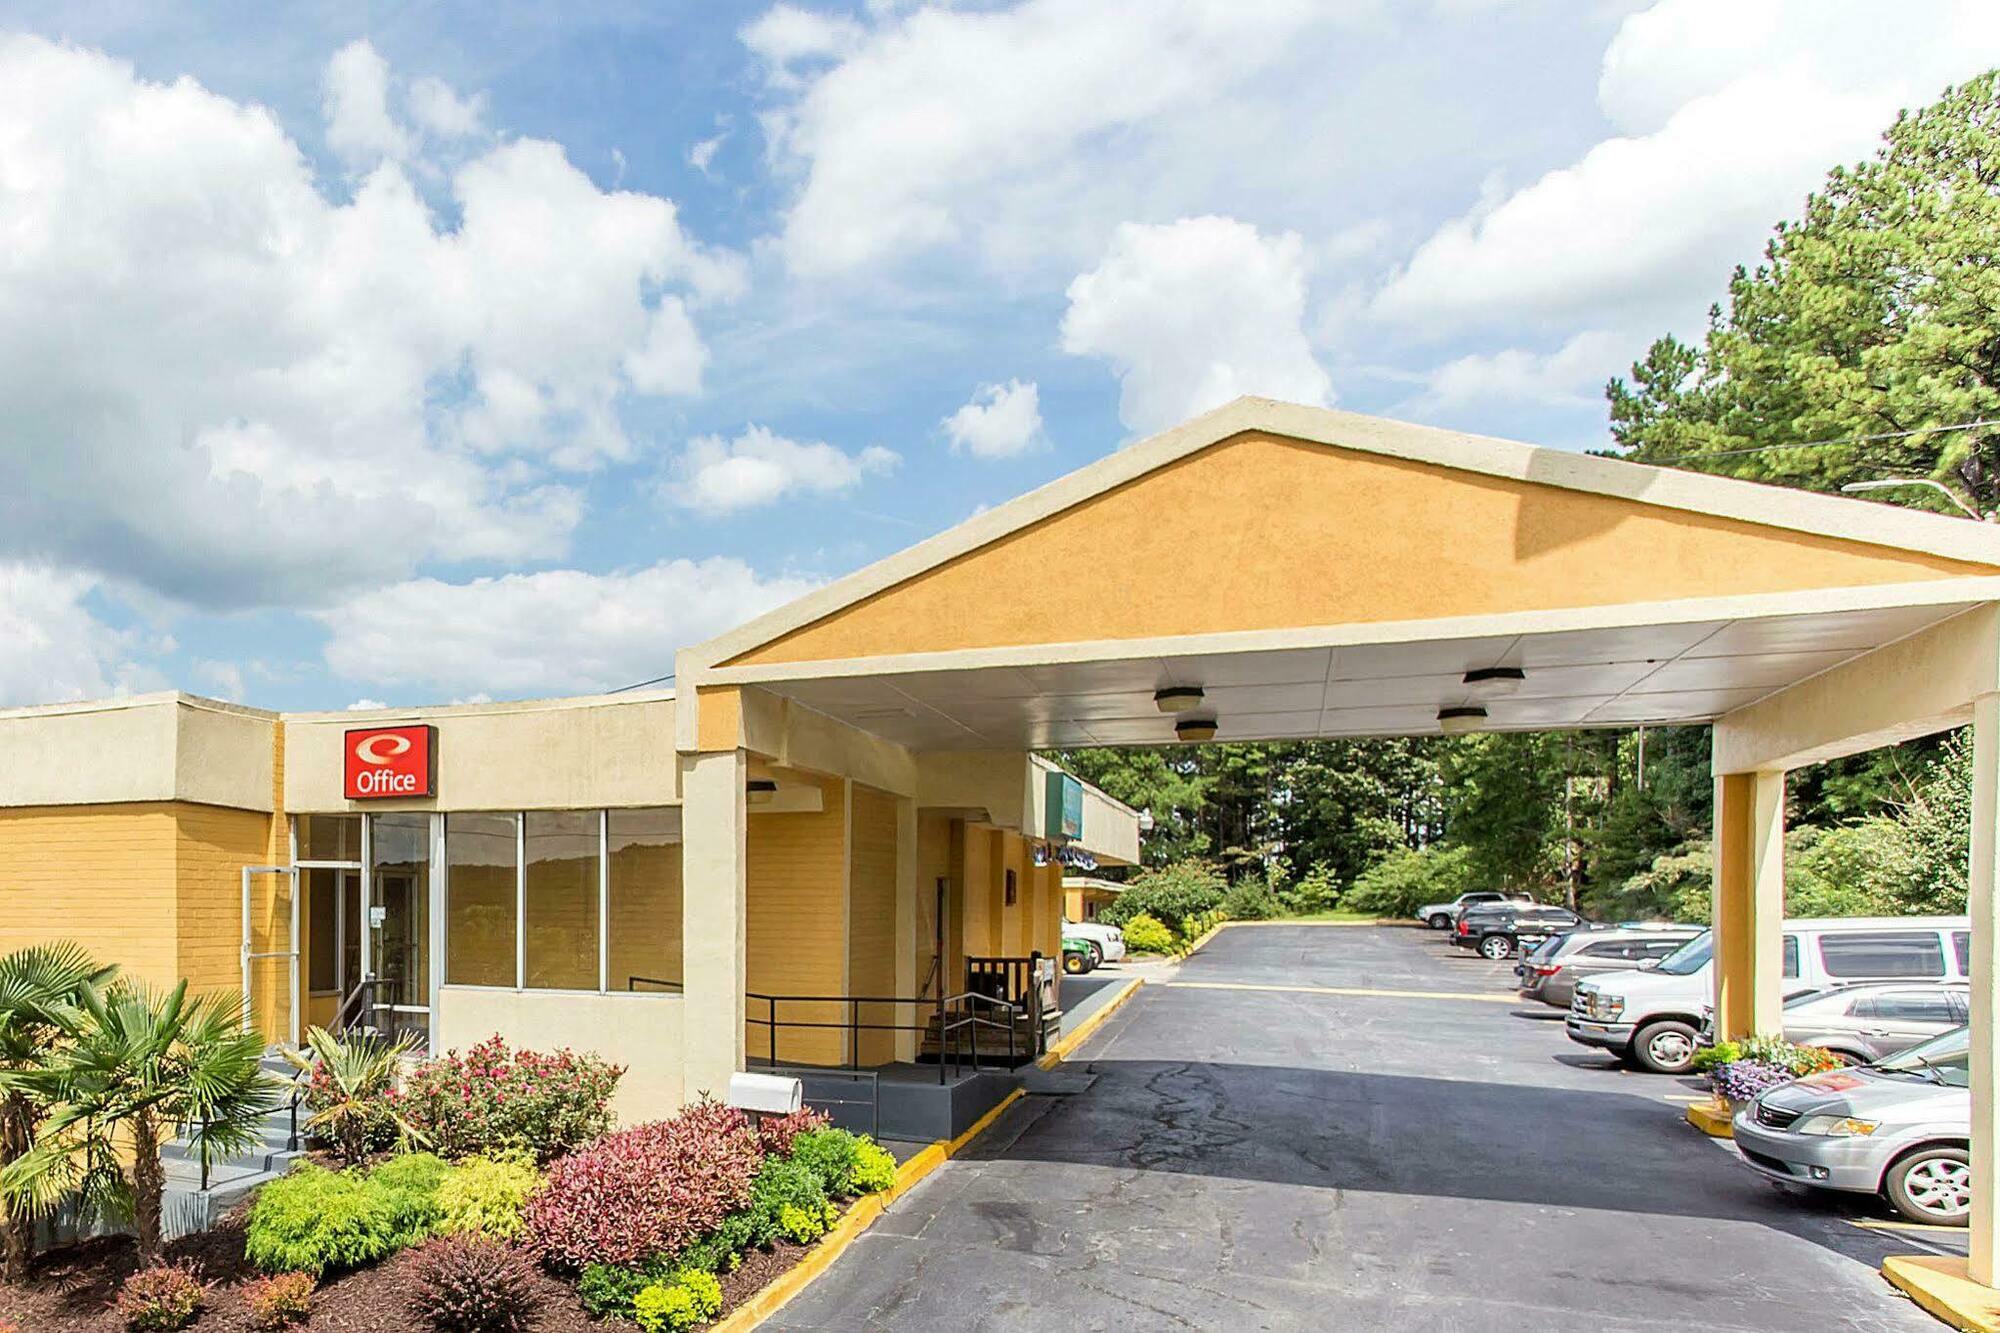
(351, 1007)
(948, 1025)
(632, 983)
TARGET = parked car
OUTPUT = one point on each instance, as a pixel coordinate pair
(1870, 1021)
(1077, 957)
(1550, 974)
(1106, 943)
(1900, 1127)
(1498, 930)
(1442, 916)
(1653, 1017)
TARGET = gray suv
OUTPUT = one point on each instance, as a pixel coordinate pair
(1551, 972)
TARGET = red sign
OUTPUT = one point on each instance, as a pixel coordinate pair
(389, 761)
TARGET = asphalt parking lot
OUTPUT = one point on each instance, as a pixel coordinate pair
(1268, 1140)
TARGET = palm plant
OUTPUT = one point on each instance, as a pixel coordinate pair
(146, 1065)
(349, 1096)
(40, 1007)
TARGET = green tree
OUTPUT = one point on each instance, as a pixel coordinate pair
(41, 1007)
(145, 1065)
(1877, 313)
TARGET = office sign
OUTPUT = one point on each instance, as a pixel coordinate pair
(389, 761)
(1064, 817)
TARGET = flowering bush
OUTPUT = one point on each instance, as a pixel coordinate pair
(668, 1307)
(490, 1099)
(486, 1195)
(279, 1301)
(645, 1191)
(1740, 1080)
(165, 1296)
(468, 1284)
(776, 1132)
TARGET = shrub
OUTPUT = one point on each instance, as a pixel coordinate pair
(1316, 891)
(485, 1195)
(490, 1099)
(1196, 926)
(721, 1249)
(806, 1225)
(830, 1154)
(782, 1183)
(608, 1290)
(776, 1133)
(645, 1191)
(874, 1168)
(691, 1298)
(280, 1301)
(1171, 893)
(468, 1284)
(1722, 1053)
(351, 1093)
(165, 1296)
(410, 1185)
(1251, 900)
(314, 1220)
(1406, 879)
(1145, 934)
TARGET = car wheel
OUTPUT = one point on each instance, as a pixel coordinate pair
(1496, 947)
(1439, 921)
(1665, 1047)
(1076, 964)
(1933, 1186)
(1096, 955)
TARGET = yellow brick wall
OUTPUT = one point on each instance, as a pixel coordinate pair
(871, 915)
(212, 845)
(796, 923)
(101, 875)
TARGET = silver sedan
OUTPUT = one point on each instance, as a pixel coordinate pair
(1900, 1128)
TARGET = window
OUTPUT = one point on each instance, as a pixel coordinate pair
(1961, 944)
(1791, 955)
(328, 837)
(1605, 949)
(481, 883)
(1654, 948)
(322, 927)
(1900, 953)
(644, 930)
(560, 902)
(1013, 889)
(1907, 1006)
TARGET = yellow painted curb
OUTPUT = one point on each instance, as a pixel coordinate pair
(1060, 1051)
(1940, 1285)
(1711, 1119)
(852, 1224)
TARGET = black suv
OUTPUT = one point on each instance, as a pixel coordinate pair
(1504, 929)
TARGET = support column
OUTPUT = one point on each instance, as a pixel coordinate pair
(714, 855)
(907, 944)
(1983, 1256)
(1749, 902)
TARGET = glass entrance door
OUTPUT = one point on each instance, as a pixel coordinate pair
(399, 923)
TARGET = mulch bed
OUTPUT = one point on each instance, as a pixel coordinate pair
(71, 1289)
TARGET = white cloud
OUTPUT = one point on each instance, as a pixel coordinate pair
(1573, 375)
(1019, 129)
(1000, 421)
(439, 111)
(359, 128)
(559, 631)
(225, 679)
(1194, 313)
(365, 705)
(53, 647)
(1729, 124)
(219, 383)
(759, 466)
(703, 152)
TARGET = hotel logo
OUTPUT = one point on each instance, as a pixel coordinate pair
(389, 761)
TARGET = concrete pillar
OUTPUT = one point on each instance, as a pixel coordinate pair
(1984, 1253)
(907, 944)
(714, 893)
(1749, 902)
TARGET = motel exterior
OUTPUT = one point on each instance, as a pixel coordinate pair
(841, 798)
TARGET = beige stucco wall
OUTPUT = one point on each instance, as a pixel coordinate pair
(641, 1032)
(154, 747)
(555, 754)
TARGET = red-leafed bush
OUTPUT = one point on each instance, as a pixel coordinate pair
(279, 1301)
(776, 1132)
(469, 1284)
(645, 1191)
(490, 1099)
(163, 1297)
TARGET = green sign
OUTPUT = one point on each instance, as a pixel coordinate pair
(1065, 808)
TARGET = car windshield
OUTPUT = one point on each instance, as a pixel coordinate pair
(1690, 957)
(1944, 1059)
(1807, 996)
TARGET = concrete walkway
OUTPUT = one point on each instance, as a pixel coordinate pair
(1283, 1157)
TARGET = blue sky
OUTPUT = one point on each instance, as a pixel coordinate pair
(416, 354)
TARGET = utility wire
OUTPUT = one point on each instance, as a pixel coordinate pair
(642, 684)
(1820, 444)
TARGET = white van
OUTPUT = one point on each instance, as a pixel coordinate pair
(1651, 1016)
